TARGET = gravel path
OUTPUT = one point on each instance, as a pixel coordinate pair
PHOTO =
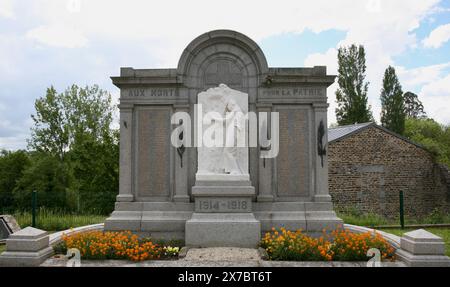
(222, 254)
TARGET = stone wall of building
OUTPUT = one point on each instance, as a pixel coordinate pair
(368, 169)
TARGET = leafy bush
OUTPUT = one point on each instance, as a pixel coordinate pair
(295, 246)
(60, 248)
(432, 135)
(349, 246)
(340, 245)
(116, 245)
(437, 216)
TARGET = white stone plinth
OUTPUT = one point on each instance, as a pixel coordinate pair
(27, 247)
(420, 248)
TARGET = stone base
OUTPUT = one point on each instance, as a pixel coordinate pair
(159, 220)
(25, 259)
(311, 217)
(223, 215)
(412, 260)
(420, 248)
(27, 247)
(167, 220)
(223, 230)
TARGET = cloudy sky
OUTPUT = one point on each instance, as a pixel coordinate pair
(60, 42)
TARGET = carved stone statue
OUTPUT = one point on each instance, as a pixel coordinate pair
(224, 110)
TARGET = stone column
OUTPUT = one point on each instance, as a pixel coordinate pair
(321, 193)
(265, 164)
(126, 139)
(181, 166)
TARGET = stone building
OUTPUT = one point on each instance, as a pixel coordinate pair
(369, 165)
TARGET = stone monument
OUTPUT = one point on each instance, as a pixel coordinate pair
(208, 196)
(223, 192)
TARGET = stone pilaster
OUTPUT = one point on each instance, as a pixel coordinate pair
(265, 169)
(125, 169)
(181, 166)
(321, 193)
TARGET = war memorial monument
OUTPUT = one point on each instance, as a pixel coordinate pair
(271, 170)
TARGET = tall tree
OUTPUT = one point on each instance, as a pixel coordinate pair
(351, 95)
(73, 128)
(413, 106)
(63, 119)
(392, 103)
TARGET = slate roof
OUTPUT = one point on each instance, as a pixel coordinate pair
(338, 133)
(342, 131)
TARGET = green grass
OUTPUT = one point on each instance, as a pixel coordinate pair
(2, 248)
(368, 220)
(352, 216)
(56, 221)
(444, 233)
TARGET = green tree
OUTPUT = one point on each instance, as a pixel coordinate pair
(12, 166)
(95, 174)
(413, 106)
(392, 103)
(48, 176)
(75, 128)
(63, 119)
(351, 96)
(431, 135)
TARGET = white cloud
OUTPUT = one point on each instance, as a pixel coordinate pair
(63, 37)
(170, 25)
(329, 59)
(411, 79)
(6, 9)
(385, 31)
(437, 37)
(164, 28)
(432, 84)
(13, 143)
(438, 88)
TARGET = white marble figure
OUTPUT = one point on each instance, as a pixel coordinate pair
(235, 125)
(227, 108)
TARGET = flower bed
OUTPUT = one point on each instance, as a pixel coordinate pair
(339, 245)
(101, 245)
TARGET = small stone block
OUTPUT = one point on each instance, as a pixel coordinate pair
(422, 242)
(28, 233)
(27, 244)
(25, 259)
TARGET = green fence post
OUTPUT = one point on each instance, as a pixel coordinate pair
(33, 213)
(402, 212)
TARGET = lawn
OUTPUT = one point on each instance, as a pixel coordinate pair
(444, 233)
(2, 248)
(56, 221)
